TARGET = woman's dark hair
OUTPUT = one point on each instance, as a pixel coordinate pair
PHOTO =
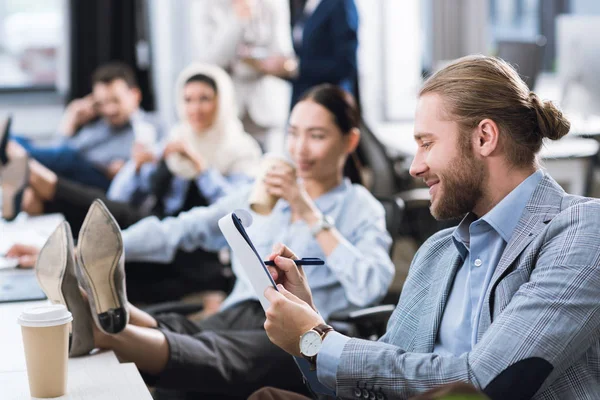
(204, 79)
(346, 115)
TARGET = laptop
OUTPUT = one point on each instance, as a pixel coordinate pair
(18, 284)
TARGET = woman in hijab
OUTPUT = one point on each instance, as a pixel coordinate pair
(208, 149)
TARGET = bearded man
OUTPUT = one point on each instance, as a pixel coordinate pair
(508, 300)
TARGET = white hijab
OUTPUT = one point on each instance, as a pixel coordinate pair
(224, 145)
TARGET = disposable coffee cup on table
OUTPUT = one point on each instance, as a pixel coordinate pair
(260, 200)
(45, 332)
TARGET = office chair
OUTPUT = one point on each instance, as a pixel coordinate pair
(390, 179)
(371, 322)
(526, 56)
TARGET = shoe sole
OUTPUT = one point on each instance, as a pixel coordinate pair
(97, 266)
(50, 276)
(51, 273)
(4, 134)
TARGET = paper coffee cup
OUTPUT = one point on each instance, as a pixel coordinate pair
(261, 201)
(45, 332)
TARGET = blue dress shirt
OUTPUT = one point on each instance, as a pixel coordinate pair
(358, 271)
(100, 143)
(480, 243)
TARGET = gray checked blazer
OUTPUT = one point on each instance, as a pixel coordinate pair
(540, 326)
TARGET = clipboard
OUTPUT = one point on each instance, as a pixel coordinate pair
(232, 226)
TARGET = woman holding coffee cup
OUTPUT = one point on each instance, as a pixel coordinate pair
(319, 213)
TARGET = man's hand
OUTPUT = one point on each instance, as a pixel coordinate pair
(288, 318)
(26, 255)
(78, 113)
(114, 167)
(274, 65)
(288, 274)
(141, 155)
(242, 9)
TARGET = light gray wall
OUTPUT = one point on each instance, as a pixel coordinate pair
(34, 115)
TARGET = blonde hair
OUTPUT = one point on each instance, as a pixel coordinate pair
(474, 88)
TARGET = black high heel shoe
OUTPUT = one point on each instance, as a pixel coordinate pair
(4, 135)
(14, 178)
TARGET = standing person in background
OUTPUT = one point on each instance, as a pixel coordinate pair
(234, 34)
(325, 37)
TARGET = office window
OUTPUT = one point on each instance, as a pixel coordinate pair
(514, 20)
(32, 43)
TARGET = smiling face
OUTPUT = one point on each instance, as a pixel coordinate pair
(200, 102)
(445, 161)
(315, 142)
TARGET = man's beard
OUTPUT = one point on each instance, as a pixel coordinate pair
(461, 187)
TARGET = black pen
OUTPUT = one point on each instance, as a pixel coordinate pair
(302, 261)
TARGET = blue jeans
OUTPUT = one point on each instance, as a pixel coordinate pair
(66, 162)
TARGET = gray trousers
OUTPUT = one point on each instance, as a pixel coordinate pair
(226, 356)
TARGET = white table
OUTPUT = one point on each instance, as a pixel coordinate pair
(32, 231)
(97, 376)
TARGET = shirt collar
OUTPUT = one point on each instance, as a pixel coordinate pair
(137, 115)
(327, 201)
(501, 217)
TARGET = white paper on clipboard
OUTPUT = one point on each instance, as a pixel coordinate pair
(244, 250)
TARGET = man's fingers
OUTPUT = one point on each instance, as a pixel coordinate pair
(27, 261)
(274, 273)
(287, 265)
(279, 249)
(272, 295)
(18, 250)
(289, 295)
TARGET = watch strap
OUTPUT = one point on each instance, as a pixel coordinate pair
(322, 330)
(323, 223)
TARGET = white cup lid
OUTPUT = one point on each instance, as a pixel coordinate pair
(45, 316)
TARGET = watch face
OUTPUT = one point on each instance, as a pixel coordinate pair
(329, 221)
(310, 343)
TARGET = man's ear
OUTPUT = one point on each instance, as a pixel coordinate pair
(353, 140)
(487, 137)
(137, 93)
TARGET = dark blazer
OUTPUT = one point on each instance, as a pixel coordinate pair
(329, 45)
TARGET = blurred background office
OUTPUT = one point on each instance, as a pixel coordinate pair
(49, 49)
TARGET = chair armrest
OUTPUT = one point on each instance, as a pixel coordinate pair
(177, 307)
(374, 314)
(412, 198)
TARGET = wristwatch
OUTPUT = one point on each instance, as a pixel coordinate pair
(323, 224)
(311, 342)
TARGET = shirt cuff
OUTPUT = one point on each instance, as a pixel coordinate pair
(328, 358)
(211, 183)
